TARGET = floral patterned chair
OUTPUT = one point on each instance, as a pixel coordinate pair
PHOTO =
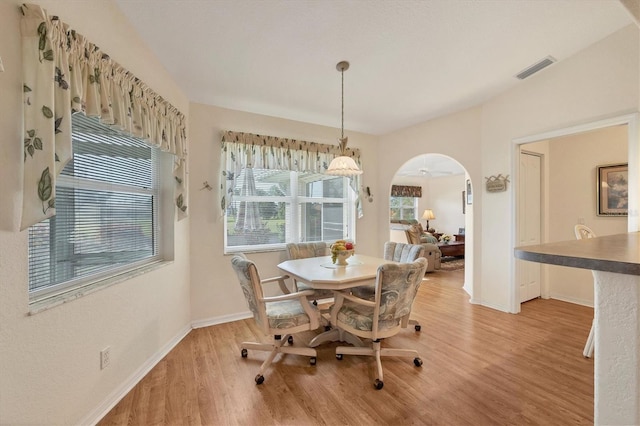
(305, 251)
(395, 289)
(397, 252)
(278, 316)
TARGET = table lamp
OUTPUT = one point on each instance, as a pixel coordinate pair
(428, 215)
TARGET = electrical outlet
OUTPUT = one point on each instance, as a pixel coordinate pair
(105, 357)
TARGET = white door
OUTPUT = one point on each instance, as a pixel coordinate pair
(529, 225)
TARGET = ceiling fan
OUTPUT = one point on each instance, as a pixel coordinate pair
(426, 172)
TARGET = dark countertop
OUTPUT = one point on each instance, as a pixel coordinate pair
(611, 253)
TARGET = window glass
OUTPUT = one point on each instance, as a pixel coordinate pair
(270, 208)
(403, 208)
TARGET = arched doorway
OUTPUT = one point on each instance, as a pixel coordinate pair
(438, 183)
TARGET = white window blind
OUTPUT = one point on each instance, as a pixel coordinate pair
(106, 219)
(273, 207)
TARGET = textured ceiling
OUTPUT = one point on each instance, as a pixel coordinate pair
(410, 60)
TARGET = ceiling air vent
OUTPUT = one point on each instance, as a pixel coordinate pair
(536, 67)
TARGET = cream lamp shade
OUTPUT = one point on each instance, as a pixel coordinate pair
(428, 215)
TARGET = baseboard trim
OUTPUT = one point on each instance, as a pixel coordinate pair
(96, 415)
(221, 320)
(572, 300)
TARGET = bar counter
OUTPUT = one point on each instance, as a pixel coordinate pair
(615, 262)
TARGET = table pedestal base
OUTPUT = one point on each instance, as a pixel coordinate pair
(335, 335)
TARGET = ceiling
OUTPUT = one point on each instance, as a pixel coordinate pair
(410, 60)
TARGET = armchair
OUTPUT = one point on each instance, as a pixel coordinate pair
(278, 316)
(397, 252)
(395, 289)
(431, 251)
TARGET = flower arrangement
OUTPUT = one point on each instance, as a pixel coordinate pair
(445, 238)
(340, 251)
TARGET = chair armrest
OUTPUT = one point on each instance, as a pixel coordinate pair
(283, 287)
(356, 299)
(290, 296)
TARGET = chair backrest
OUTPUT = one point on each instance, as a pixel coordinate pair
(583, 231)
(401, 252)
(397, 285)
(249, 280)
(306, 250)
(413, 234)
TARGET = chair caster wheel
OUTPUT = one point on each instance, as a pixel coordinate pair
(312, 361)
(315, 303)
(418, 327)
(259, 379)
(327, 328)
(243, 353)
(339, 357)
(378, 384)
(417, 362)
(277, 337)
(290, 340)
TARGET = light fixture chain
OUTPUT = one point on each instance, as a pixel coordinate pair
(342, 74)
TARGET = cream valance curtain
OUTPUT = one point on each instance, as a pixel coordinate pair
(63, 74)
(242, 150)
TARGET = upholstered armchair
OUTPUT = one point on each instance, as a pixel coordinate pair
(277, 316)
(397, 252)
(395, 290)
(431, 251)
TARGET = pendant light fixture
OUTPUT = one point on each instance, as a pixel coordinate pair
(343, 165)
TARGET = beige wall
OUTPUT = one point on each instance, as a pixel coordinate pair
(601, 81)
(49, 362)
(215, 295)
(570, 172)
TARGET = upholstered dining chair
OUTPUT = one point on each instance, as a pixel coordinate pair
(395, 290)
(582, 232)
(304, 251)
(278, 316)
(397, 252)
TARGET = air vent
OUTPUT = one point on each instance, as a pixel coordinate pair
(536, 67)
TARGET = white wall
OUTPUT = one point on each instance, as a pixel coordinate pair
(215, 294)
(49, 362)
(445, 199)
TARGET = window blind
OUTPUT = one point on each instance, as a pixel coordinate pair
(106, 211)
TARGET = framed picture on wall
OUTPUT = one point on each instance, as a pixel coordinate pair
(469, 194)
(464, 203)
(613, 189)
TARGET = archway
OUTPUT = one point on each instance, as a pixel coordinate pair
(438, 183)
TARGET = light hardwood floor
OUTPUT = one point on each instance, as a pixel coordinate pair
(481, 367)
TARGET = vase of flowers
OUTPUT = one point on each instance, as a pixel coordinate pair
(445, 238)
(341, 250)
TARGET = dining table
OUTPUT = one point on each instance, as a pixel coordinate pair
(321, 273)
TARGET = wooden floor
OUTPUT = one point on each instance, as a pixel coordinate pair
(481, 367)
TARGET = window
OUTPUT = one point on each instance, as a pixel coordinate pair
(270, 208)
(403, 208)
(107, 203)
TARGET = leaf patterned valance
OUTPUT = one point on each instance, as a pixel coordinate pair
(241, 150)
(64, 73)
(406, 191)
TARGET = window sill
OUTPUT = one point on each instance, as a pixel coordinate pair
(47, 302)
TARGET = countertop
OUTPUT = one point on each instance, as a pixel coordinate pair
(611, 253)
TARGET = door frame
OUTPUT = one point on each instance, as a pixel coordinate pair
(633, 220)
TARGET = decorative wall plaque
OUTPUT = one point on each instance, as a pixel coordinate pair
(497, 183)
